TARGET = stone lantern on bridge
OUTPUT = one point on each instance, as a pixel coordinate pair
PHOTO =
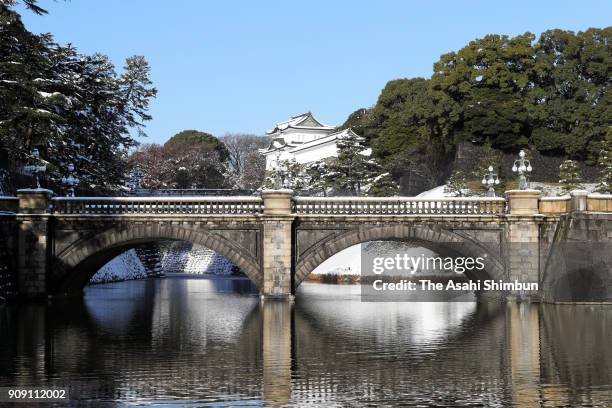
(37, 167)
(70, 181)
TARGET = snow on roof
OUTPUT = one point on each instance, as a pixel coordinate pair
(325, 139)
(298, 121)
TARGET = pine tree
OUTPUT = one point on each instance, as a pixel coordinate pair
(349, 172)
(569, 176)
(74, 108)
(605, 162)
(383, 186)
(456, 184)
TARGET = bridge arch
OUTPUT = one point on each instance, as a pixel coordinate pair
(73, 267)
(442, 241)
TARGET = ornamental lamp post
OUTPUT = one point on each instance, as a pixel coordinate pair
(36, 168)
(135, 178)
(71, 181)
(522, 166)
(490, 179)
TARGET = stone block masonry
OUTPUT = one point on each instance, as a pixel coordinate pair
(278, 239)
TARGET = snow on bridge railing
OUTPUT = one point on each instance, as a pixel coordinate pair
(399, 206)
(157, 205)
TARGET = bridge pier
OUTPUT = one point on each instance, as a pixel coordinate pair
(277, 244)
(523, 237)
(33, 241)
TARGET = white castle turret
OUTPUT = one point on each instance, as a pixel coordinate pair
(302, 138)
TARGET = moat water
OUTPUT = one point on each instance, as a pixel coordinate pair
(179, 342)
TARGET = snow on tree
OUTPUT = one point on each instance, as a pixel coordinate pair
(352, 172)
(383, 185)
(247, 166)
(456, 184)
(569, 176)
(74, 108)
(605, 163)
(348, 172)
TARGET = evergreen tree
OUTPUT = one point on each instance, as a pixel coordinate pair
(605, 162)
(569, 176)
(456, 185)
(189, 159)
(383, 186)
(487, 80)
(74, 108)
(31, 5)
(350, 170)
(569, 100)
(507, 91)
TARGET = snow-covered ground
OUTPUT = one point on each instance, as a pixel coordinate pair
(554, 190)
(185, 257)
(548, 190)
(436, 192)
(348, 262)
(175, 257)
(123, 267)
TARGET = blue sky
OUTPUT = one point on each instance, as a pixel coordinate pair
(241, 66)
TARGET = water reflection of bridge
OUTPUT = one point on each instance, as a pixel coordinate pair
(301, 353)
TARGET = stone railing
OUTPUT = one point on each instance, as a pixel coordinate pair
(555, 205)
(399, 206)
(599, 202)
(9, 204)
(157, 205)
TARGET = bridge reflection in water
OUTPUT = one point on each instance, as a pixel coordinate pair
(197, 341)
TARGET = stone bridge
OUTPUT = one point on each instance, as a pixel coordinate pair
(277, 239)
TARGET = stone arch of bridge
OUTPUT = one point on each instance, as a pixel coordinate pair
(442, 241)
(73, 268)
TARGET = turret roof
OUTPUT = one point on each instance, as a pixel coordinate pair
(304, 121)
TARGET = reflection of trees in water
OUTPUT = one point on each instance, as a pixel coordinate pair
(575, 352)
(188, 342)
(102, 352)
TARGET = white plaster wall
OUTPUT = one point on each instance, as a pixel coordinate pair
(317, 153)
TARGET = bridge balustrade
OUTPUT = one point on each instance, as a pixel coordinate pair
(157, 205)
(399, 206)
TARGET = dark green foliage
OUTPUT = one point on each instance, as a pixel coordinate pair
(570, 103)
(348, 173)
(569, 176)
(487, 79)
(605, 166)
(189, 159)
(74, 108)
(199, 140)
(508, 92)
(456, 185)
(31, 5)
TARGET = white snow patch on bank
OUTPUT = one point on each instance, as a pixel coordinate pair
(436, 192)
(123, 267)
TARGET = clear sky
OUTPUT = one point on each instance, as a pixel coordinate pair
(240, 66)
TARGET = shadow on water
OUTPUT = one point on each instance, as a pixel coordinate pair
(200, 342)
